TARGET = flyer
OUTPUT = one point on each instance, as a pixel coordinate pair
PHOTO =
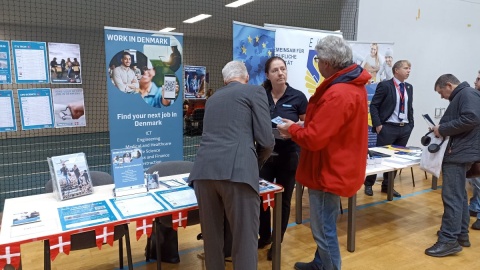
(85, 215)
(140, 205)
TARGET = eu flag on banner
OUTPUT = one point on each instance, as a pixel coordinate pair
(253, 45)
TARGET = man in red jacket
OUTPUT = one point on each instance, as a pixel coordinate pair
(333, 145)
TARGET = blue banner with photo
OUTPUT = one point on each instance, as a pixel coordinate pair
(253, 45)
(144, 72)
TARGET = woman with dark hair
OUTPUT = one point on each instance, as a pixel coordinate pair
(289, 103)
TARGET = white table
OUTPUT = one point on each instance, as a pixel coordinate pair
(50, 226)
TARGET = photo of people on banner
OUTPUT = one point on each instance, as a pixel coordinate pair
(378, 60)
(195, 81)
(132, 72)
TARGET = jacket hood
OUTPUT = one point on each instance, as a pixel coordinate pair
(354, 74)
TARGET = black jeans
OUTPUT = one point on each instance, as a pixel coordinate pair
(390, 134)
(281, 168)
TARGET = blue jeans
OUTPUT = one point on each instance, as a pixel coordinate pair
(475, 199)
(455, 219)
(324, 210)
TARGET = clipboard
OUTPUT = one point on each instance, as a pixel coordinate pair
(429, 120)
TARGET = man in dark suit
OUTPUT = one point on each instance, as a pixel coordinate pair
(392, 115)
(237, 138)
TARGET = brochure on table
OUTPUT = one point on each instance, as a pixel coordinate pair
(70, 176)
(85, 215)
(137, 205)
(127, 171)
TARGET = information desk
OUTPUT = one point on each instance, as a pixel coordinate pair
(388, 165)
(100, 210)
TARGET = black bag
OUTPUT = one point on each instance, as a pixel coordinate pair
(474, 170)
(168, 247)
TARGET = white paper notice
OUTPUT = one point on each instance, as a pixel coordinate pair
(137, 205)
(30, 64)
(6, 116)
(179, 198)
(36, 110)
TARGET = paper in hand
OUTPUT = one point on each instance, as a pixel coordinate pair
(278, 120)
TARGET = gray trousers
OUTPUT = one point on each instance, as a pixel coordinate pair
(239, 204)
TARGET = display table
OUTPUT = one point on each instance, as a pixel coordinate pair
(388, 165)
(55, 218)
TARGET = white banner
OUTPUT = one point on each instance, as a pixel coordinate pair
(297, 47)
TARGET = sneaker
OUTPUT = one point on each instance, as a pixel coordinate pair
(476, 225)
(440, 249)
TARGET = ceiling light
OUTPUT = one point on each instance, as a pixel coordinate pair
(197, 18)
(239, 3)
(167, 29)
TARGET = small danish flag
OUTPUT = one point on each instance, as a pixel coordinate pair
(179, 219)
(59, 244)
(104, 234)
(10, 254)
(268, 199)
(144, 226)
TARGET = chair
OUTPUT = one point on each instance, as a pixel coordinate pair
(166, 241)
(87, 240)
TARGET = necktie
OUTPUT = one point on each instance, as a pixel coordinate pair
(401, 108)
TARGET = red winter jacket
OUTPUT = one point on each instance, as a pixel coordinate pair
(334, 141)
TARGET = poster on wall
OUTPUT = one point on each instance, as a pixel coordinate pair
(5, 70)
(30, 59)
(253, 45)
(144, 72)
(68, 107)
(35, 108)
(64, 63)
(7, 111)
(195, 83)
(378, 60)
(297, 47)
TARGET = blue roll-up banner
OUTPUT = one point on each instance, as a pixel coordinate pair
(144, 74)
(253, 45)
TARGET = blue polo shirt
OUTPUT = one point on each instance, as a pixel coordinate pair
(292, 104)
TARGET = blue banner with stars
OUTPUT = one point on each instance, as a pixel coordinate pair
(253, 45)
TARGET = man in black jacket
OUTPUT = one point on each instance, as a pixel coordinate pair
(391, 110)
(461, 121)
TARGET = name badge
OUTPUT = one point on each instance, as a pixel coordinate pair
(286, 105)
(402, 116)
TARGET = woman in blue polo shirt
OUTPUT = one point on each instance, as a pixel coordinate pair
(289, 103)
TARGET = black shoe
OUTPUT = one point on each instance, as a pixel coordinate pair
(472, 213)
(269, 254)
(304, 266)
(368, 191)
(443, 249)
(263, 242)
(395, 193)
(464, 242)
(476, 225)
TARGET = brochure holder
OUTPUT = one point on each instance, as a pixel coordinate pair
(70, 176)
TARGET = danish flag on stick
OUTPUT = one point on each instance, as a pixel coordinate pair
(268, 199)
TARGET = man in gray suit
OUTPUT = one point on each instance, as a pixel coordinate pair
(237, 138)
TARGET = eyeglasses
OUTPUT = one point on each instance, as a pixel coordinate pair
(316, 59)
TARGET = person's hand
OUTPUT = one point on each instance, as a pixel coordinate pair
(77, 109)
(378, 129)
(300, 123)
(436, 132)
(283, 128)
